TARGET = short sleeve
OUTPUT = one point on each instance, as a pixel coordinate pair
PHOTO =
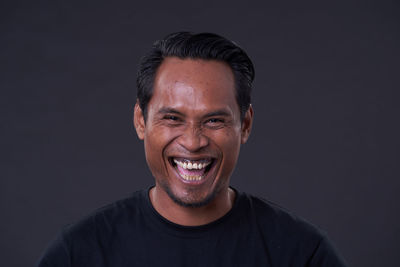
(56, 255)
(326, 255)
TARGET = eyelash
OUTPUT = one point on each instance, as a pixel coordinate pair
(215, 120)
(171, 117)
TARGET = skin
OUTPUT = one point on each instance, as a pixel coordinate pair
(193, 114)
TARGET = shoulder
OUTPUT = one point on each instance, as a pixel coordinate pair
(280, 227)
(288, 235)
(106, 217)
(278, 218)
(84, 239)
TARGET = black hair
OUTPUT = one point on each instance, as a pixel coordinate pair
(207, 46)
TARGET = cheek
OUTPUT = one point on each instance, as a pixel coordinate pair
(155, 143)
(156, 139)
(229, 144)
(153, 151)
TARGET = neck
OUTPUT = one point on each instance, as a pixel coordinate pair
(191, 216)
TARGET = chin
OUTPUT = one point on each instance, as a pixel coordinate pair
(192, 203)
(192, 199)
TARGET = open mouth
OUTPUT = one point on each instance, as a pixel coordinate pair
(192, 170)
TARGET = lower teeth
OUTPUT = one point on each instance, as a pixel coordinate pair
(191, 178)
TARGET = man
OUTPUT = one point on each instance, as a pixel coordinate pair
(193, 113)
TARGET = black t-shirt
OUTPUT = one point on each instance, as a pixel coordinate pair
(130, 232)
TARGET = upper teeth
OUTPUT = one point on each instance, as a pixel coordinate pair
(192, 165)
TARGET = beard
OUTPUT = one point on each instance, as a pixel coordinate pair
(188, 202)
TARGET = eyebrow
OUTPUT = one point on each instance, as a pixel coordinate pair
(220, 112)
(169, 111)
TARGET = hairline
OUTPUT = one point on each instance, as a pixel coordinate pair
(163, 58)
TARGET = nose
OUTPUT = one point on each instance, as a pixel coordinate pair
(192, 139)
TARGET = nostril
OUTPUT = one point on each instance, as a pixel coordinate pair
(193, 140)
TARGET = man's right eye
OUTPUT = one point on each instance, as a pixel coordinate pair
(171, 117)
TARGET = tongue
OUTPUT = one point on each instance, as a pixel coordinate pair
(191, 172)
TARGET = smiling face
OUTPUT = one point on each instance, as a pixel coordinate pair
(192, 133)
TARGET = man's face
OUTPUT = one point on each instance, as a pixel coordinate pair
(193, 131)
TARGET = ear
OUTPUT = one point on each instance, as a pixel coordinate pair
(138, 121)
(246, 124)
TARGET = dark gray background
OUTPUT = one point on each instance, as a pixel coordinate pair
(325, 142)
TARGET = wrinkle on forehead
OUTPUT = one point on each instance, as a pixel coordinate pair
(180, 93)
(195, 85)
(207, 73)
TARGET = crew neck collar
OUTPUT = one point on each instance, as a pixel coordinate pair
(164, 225)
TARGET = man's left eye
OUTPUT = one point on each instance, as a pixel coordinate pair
(214, 121)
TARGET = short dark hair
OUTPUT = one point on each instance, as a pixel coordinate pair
(208, 46)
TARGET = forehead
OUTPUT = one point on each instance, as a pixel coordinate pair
(194, 83)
